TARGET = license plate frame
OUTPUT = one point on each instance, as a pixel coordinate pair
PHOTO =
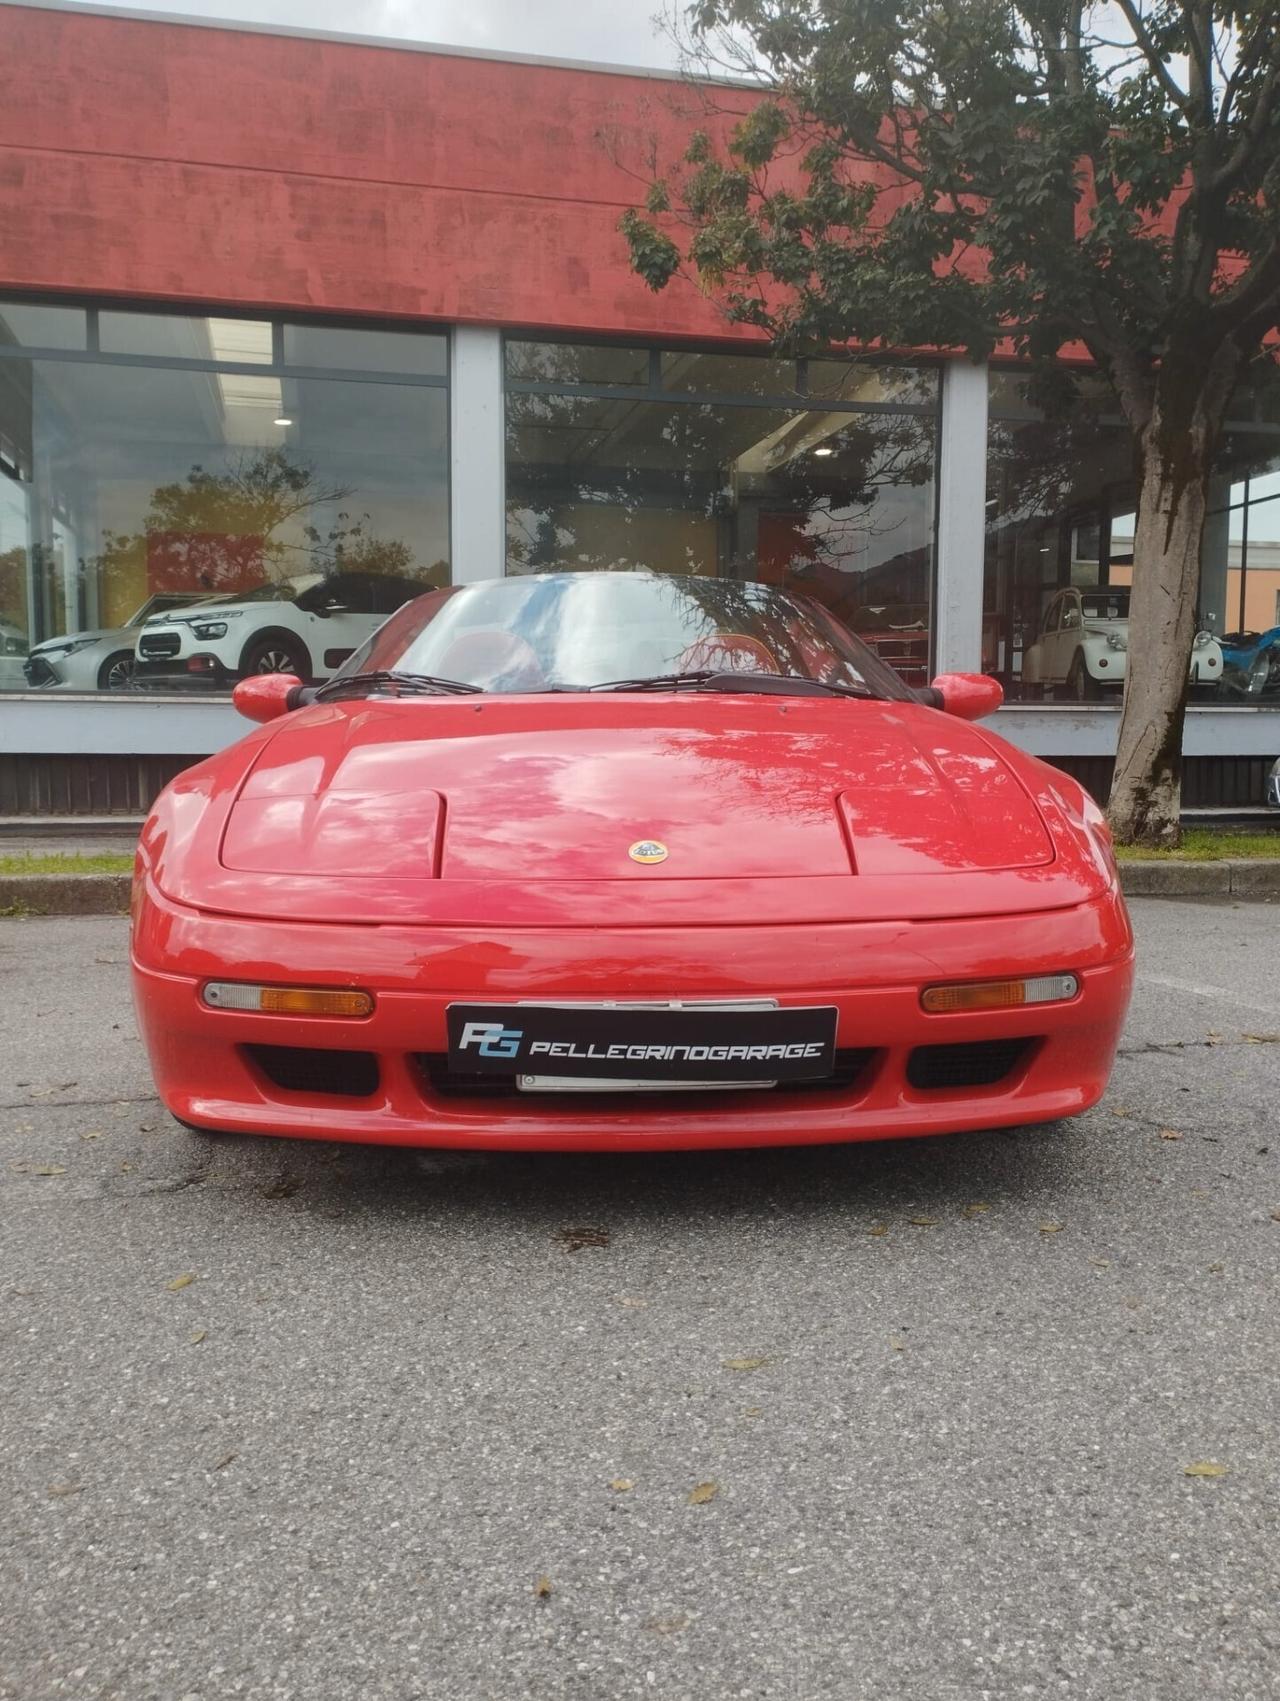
(643, 1045)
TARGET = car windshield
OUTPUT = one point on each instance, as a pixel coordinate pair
(1106, 605)
(627, 630)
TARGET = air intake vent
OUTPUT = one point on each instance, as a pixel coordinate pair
(979, 1064)
(300, 1069)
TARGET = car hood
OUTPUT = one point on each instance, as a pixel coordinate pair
(771, 809)
(762, 789)
(199, 610)
(75, 638)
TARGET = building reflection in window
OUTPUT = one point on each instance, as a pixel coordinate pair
(1060, 514)
(816, 474)
(151, 462)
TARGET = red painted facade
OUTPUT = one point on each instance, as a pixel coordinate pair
(180, 163)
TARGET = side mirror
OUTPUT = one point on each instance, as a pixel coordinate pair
(969, 696)
(265, 696)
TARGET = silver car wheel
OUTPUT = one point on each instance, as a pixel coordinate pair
(275, 661)
(118, 676)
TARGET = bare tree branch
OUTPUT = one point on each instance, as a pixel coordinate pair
(1159, 70)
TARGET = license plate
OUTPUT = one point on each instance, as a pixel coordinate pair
(636, 1047)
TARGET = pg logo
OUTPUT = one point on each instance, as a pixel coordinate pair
(491, 1039)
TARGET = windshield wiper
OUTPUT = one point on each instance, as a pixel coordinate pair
(757, 684)
(399, 684)
(658, 681)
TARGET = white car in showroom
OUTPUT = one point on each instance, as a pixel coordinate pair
(1083, 644)
(102, 660)
(307, 625)
(13, 650)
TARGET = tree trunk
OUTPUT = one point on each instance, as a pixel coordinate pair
(1175, 453)
(1146, 792)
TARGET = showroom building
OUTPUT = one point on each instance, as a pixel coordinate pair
(308, 322)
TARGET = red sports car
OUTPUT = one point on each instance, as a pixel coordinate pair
(619, 861)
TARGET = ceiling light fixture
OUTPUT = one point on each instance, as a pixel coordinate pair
(823, 449)
(282, 419)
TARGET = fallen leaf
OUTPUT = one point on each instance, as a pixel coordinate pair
(196, 1339)
(924, 1222)
(23, 1167)
(92, 1134)
(59, 1490)
(704, 1492)
(574, 1239)
(542, 1588)
(622, 1485)
(223, 1462)
(752, 1411)
(878, 1228)
(1101, 1263)
(1275, 1215)
(1050, 1228)
(632, 1303)
(743, 1363)
(666, 1626)
(1263, 1039)
(896, 1345)
(183, 1281)
(1215, 1269)
(126, 1169)
(1205, 1468)
(1170, 1134)
(976, 1209)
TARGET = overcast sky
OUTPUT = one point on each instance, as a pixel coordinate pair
(618, 32)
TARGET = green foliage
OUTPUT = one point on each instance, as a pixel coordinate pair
(1204, 844)
(67, 862)
(951, 173)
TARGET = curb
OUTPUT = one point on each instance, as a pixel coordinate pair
(1238, 877)
(108, 894)
(64, 894)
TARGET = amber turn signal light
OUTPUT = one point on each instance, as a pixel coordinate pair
(286, 1000)
(998, 994)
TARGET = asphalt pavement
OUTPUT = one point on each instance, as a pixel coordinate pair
(913, 1420)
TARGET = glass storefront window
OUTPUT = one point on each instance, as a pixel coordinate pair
(177, 337)
(24, 325)
(302, 507)
(692, 373)
(835, 500)
(403, 352)
(576, 363)
(1060, 523)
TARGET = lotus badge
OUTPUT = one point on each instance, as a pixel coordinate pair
(648, 850)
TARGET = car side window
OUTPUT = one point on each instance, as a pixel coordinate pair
(1051, 615)
(349, 592)
(1070, 613)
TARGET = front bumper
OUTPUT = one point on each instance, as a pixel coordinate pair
(209, 1072)
(200, 668)
(42, 671)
